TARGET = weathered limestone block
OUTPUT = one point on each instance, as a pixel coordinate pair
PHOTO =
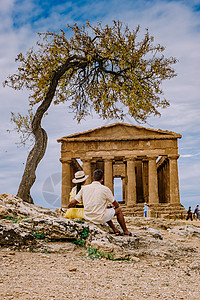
(155, 233)
(195, 266)
(102, 246)
(186, 230)
(16, 207)
(118, 252)
(12, 234)
(21, 221)
(29, 227)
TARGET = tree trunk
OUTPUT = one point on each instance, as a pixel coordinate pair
(34, 157)
(38, 151)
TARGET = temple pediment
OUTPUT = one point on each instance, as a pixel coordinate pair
(120, 131)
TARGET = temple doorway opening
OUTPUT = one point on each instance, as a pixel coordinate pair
(118, 189)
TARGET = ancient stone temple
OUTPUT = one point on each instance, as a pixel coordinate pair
(145, 159)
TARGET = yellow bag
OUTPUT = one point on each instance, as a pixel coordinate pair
(75, 213)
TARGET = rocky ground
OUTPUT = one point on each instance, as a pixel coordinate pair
(41, 257)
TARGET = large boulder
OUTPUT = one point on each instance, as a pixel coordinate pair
(23, 224)
(33, 228)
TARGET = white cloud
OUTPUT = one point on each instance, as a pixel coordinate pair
(190, 155)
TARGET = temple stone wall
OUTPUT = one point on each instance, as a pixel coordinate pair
(145, 159)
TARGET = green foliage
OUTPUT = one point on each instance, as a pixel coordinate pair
(79, 243)
(125, 259)
(93, 253)
(32, 250)
(105, 69)
(38, 235)
(16, 220)
(84, 233)
(46, 251)
(80, 221)
(23, 125)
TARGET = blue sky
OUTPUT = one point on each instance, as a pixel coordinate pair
(174, 24)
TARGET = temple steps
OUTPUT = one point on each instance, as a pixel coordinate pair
(162, 210)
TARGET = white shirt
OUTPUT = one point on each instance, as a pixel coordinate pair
(95, 198)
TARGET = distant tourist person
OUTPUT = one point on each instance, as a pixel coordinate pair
(196, 212)
(189, 214)
(146, 208)
(96, 198)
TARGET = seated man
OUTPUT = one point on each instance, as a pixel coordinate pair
(95, 198)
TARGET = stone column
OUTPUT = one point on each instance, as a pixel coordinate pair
(167, 192)
(145, 177)
(153, 181)
(108, 173)
(131, 184)
(87, 169)
(123, 189)
(173, 180)
(66, 182)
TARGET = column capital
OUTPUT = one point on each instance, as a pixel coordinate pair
(145, 159)
(130, 158)
(173, 156)
(65, 160)
(152, 157)
(108, 158)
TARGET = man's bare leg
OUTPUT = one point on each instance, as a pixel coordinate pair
(121, 220)
(111, 224)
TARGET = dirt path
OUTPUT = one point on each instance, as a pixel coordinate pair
(74, 275)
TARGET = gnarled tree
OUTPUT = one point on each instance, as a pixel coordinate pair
(104, 69)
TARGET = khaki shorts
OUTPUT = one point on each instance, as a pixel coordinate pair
(109, 214)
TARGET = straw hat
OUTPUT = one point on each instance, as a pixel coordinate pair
(80, 177)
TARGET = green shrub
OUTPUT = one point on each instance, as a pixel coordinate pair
(38, 235)
(79, 243)
(84, 233)
(93, 253)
